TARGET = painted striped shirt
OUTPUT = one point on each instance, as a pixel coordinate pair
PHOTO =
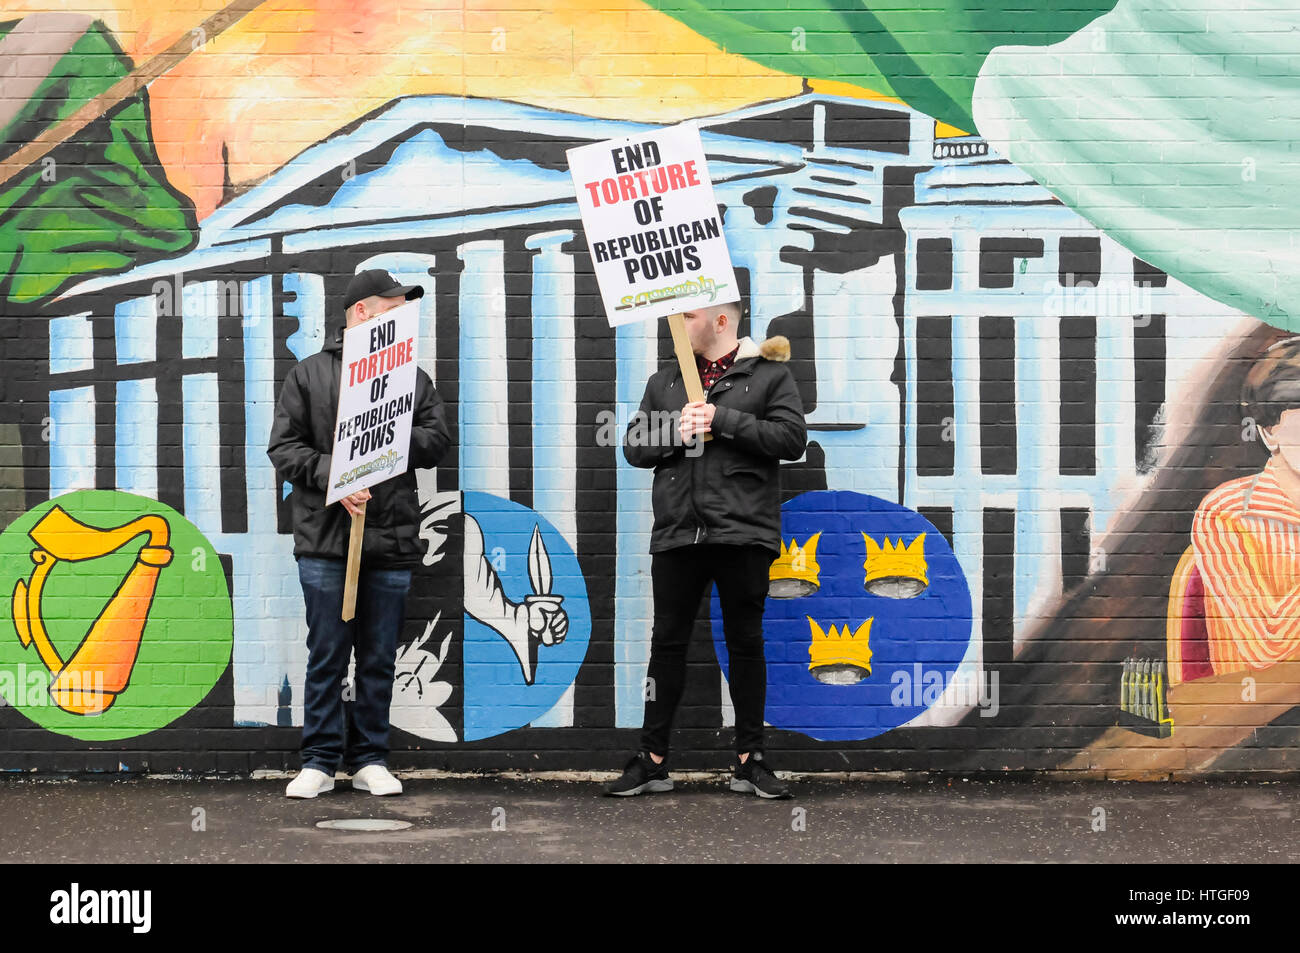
(1246, 536)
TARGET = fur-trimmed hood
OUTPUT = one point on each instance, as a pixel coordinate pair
(775, 348)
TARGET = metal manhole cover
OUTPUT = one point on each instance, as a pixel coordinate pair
(364, 824)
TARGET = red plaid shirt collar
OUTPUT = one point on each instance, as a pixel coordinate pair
(710, 371)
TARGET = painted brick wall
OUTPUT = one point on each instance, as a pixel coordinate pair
(1023, 319)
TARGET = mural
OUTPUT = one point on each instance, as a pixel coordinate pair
(868, 631)
(1227, 670)
(98, 202)
(113, 630)
(524, 632)
(1032, 528)
(1153, 119)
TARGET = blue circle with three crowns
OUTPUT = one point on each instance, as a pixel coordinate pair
(916, 644)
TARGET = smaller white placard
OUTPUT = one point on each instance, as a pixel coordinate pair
(372, 428)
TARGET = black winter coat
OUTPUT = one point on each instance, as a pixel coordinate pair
(729, 493)
(300, 448)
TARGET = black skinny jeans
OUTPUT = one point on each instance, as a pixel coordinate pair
(680, 578)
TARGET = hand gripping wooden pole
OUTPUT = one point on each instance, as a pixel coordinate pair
(354, 565)
(686, 361)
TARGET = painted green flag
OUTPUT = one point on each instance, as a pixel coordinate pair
(97, 203)
(1171, 125)
(928, 54)
(1174, 128)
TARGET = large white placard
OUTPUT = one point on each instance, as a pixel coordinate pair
(372, 429)
(652, 224)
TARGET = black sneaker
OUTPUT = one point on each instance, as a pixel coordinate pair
(641, 775)
(752, 776)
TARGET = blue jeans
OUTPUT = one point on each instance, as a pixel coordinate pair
(372, 634)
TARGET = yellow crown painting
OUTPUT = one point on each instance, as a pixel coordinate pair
(795, 571)
(838, 657)
(894, 570)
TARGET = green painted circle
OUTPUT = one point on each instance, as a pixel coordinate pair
(184, 647)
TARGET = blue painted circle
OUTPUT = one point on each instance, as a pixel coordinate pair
(914, 642)
(497, 699)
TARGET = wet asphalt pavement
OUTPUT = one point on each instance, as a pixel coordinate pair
(469, 820)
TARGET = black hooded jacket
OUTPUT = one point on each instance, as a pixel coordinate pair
(300, 448)
(729, 492)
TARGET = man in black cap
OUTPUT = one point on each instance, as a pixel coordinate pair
(300, 448)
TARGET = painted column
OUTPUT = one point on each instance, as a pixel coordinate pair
(555, 396)
(484, 428)
(637, 350)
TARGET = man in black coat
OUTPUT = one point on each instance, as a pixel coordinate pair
(717, 518)
(301, 445)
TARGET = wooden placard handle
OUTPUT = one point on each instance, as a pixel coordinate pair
(354, 565)
(686, 361)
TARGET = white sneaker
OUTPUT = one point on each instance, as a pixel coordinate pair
(309, 783)
(376, 779)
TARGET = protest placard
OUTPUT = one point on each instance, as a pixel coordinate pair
(652, 224)
(654, 232)
(372, 427)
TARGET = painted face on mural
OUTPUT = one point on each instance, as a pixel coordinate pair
(1284, 438)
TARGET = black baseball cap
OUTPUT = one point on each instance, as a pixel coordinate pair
(376, 281)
